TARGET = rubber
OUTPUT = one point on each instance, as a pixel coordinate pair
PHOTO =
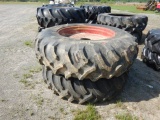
(92, 12)
(127, 22)
(151, 59)
(152, 41)
(137, 35)
(50, 16)
(58, 5)
(82, 59)
(151, 51)
(84, 91)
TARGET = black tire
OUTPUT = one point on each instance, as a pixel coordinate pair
(150, 58)
(92, 12)
(84, 91)
(138, 35)
(58, 5)
(152, 41)
(127, 22)
(51, 16)
(86, 59)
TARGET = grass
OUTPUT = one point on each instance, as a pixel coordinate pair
(89, 113)
(39, 100)
(28, 75)
(130, 8)
(29, 43)
(125, 116)
(24, 3)
(35, 69)
(27, 83)
(52, 118)
(119, 104)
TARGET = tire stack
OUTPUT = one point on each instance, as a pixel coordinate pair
(151, 51)
(93, 11)
(134, 24)
(82, 62)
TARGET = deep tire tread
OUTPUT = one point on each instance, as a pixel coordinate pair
(85, 91)
(96, 60)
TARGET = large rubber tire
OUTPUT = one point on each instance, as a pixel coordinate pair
(128, 22)
(150, 58)
(152, 41)
(51, 16)
(86, 59)
(138, 36)
(92, 11)
(58, 5)
(84, 91)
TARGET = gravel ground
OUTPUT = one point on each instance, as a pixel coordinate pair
(24, 95)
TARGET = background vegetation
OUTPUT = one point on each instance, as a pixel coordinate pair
(102, 1)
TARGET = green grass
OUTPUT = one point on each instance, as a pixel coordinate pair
(35, 69)
(125, 116)
(38, 99)
(23, 3)
(29, 43)
(27, 83)
(89, 113)
(28, 75)
(119, 104)
(130, 8)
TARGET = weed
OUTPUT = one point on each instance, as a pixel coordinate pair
(125, 116)
(61, 110)
(52, 118)
(89, 114)
(35, 69)
(119, 104)
(29, 43)
(27, 83)
(39, 100)
(26, 76)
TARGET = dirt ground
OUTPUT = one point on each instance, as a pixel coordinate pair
(24, 95)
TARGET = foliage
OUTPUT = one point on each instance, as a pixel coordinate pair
(89, 114)
(102, 1)
(125, 116)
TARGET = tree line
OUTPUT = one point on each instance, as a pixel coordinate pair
(103, 1)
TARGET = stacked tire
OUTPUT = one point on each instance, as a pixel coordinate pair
(93, 11)
(151, 51)
(134, 24)
(82, 62)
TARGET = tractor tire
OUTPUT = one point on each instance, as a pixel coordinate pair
(86, 51)
(58, 5)
(152, 41)
(151, 59)
(93, 11)
(137, 35)
(51, 16)
(127, 22)
(84, 91)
